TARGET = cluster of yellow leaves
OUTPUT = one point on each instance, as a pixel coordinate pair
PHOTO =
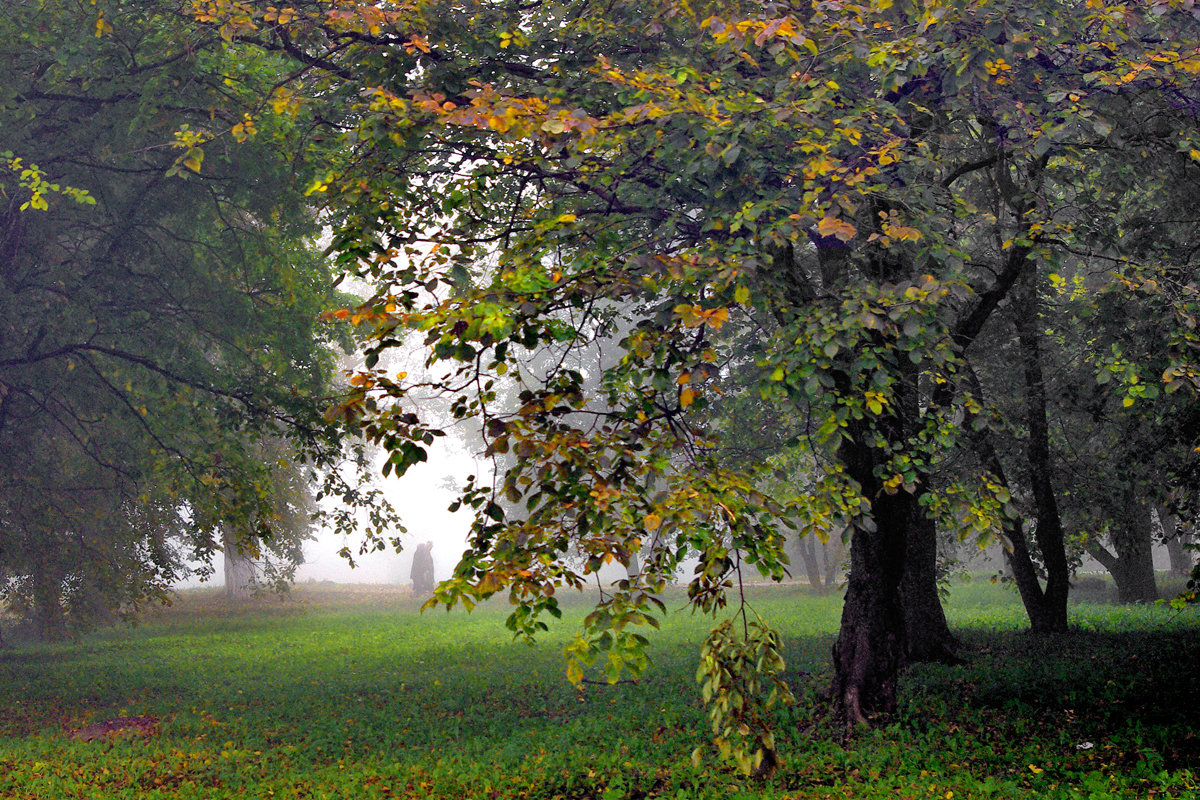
(239, 18)
(515, 117)
(245, 129)
(363, 17)
(360, 315)
(189, 141)
(31, 178)
(236, 18)
(876, 402)
(285, 101)
(693, 316)
(416, 42)
(893, 231)
(603, 495)
(736, 32)
(999, 69)
(674, 91)
(839, 228)
(280, 15)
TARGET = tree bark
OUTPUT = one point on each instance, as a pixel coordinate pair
(1044, 616)
(928, 634)
(1037, 451)
(1132, 566)
(871, 647)
(1176, 538)
(239, 568)
(835, 554)
(806, 546)
(48, 615)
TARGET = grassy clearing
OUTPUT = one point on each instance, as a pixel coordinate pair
(349, 693)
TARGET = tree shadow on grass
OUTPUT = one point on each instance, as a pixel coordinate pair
(1106, 698)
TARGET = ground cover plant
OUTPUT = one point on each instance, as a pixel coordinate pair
(350, 693)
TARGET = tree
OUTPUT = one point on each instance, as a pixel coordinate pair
(878, 178)
(271, 561)
(156, 321)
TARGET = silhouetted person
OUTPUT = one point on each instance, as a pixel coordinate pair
(422, 570)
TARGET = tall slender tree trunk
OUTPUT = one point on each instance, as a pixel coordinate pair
(1046, 614)
(1049, 531)
(834, 553)
(808, 548)
(928, 634)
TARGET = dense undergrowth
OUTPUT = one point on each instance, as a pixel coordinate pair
(350, 693)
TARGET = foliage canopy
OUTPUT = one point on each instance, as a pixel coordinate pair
(600, 209)
(157, 312)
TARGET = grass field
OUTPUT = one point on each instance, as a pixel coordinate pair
(348, 692)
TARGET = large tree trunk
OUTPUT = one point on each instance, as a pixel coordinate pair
(871, 647)
(1132, 566)
(48, 615)
(239, 568)
(928, 635)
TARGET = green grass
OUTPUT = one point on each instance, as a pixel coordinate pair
(350, 693)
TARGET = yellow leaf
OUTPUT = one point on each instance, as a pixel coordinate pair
(284, 100)
(901, 232)
(686, 398)
(652, 522)
(715, 317)
(832, 226)
(567, 218)
(684, 379)
(1036, 770)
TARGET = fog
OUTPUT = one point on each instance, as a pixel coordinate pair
(421, 497)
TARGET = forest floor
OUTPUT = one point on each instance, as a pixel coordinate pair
(349, 692)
